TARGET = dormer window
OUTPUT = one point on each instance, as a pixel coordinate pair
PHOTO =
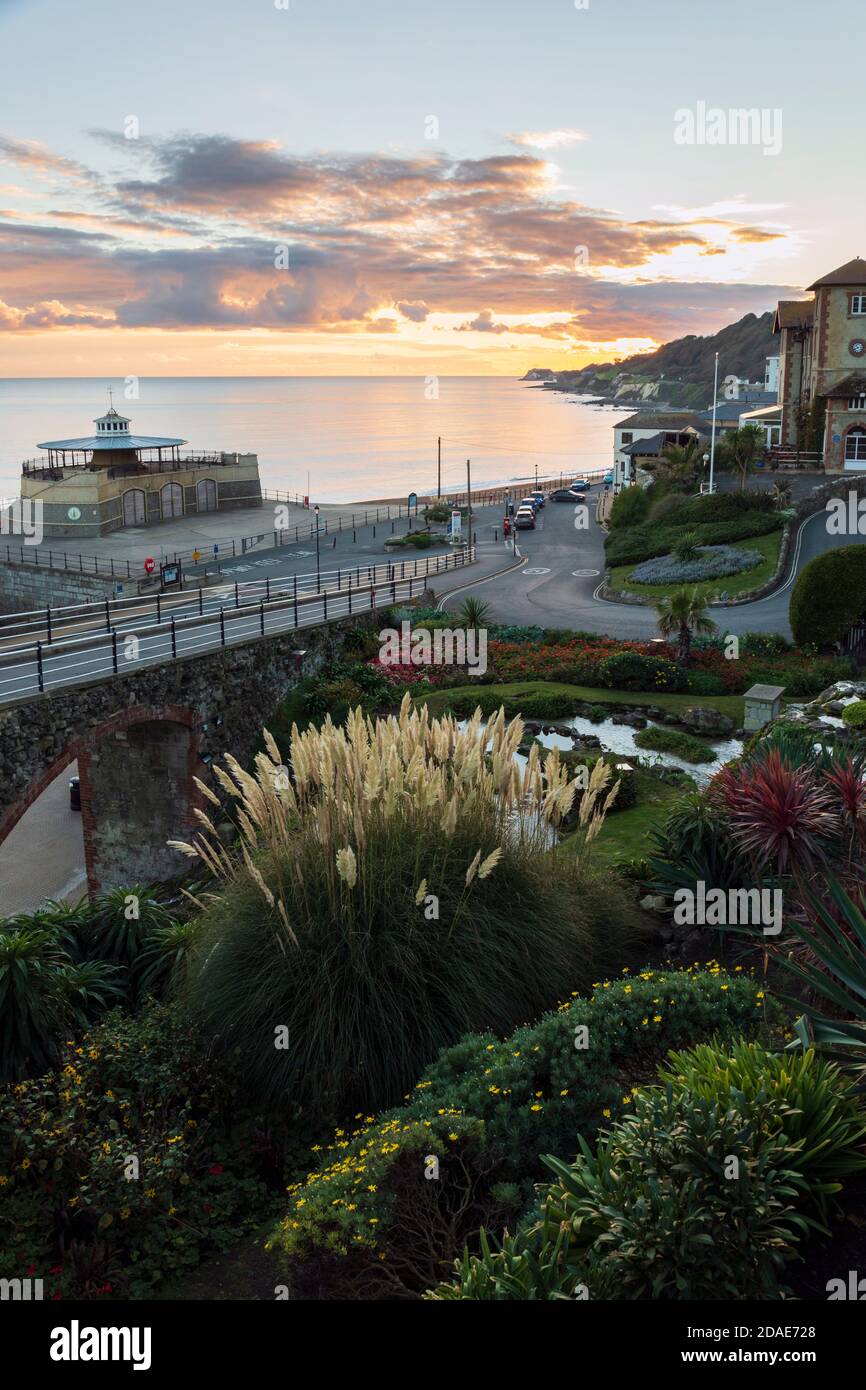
(858, 402)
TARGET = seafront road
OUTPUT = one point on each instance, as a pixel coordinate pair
(564, 568)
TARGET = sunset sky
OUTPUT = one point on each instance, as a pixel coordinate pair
(466, 186)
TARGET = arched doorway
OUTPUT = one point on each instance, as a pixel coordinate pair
(206, 495)
(134, 508)
(171, 500)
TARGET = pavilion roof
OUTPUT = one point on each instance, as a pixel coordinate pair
(114, 443)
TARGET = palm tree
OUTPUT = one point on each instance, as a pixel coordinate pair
(679, 465)
(740, 449)
(474, 613)
(681, 614)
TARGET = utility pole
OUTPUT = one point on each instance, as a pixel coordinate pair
(439, 466)
(318, 571)
(713, 438)
(469, 498)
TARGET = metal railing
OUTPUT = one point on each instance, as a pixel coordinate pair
(111, 567)
(57, 662)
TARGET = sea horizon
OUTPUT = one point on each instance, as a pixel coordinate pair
(335, 439)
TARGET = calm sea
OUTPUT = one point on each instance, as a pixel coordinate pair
(339, 439)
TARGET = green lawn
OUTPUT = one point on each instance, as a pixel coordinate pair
(726, 704)
(732, 584)
(624, 834)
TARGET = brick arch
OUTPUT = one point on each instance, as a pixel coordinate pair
(80, 749)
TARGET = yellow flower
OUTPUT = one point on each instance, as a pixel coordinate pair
(452, 1137)
(25, 1163)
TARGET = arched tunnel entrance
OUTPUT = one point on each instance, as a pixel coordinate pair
(137, 792)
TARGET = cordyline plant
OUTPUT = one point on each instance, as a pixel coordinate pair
(398, 890)
(782, 818)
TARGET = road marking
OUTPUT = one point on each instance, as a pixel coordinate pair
(536, 571)
(585, 574)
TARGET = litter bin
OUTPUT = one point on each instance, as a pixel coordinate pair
(74, 794)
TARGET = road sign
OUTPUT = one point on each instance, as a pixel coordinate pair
(149, 565)
(216, 549)
(196, 556)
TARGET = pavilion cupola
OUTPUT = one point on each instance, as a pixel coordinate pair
(112, 423)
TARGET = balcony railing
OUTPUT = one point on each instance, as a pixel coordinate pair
(38, 468)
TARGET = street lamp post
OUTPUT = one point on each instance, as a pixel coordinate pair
(318, 570)
(713, 438)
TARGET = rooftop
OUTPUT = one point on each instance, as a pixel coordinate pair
(663, 420)
(851, 273)
(793, 313)
(121, 440)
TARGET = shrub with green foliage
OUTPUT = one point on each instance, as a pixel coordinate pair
(632, 544)
(631, 671)
(686, 746)
(368, 1223)
(399, 892)
(630, 508)
(829, 596)
(46, 990)
(657, 1211)
(855, 715)
(141, 1087)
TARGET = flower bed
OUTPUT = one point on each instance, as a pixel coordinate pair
(714, 562)
(374, 1221)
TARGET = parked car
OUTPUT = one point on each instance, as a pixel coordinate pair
(539, 497)
(581, 485)
(525, 519)
(608, 478)
(529, 502)
(565, 494)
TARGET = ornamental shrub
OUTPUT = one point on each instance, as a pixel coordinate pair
(829, 596)
(630, 508)
(394, 895)
(686, 746)
(628, 670)
(710, 563)
(632, 544)
(654, 1213)
(855, 715)
(145, 1086)
(368, 1223)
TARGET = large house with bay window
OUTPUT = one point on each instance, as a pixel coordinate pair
(822, 369)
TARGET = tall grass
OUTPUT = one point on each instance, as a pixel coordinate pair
(395, 893)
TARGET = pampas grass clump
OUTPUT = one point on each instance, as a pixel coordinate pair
(397, 890)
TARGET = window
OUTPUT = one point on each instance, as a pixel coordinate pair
(858, 402)
(627, 436)
(855, 446)
(858, 304)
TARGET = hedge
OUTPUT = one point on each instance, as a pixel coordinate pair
(397, 1197)
(632, 544)
(829, 596)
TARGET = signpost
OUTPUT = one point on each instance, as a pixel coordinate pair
(149, 565)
